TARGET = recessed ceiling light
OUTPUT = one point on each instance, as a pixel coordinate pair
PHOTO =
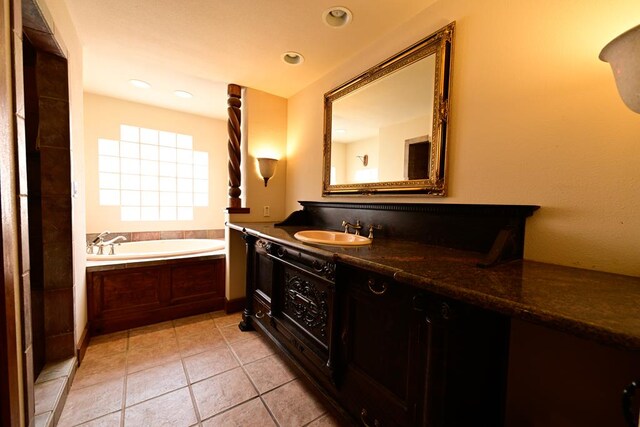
(139, 83)
(337, 16)
(292, 58)
(182, 94)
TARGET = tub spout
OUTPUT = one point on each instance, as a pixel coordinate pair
(114, 240)
(111, 243)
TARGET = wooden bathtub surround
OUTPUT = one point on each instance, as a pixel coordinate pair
(135, 294)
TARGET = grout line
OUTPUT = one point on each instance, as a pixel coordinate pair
(196, 409)
(126, 374)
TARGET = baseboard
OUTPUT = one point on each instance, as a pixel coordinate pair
(83, 343)
(234, 305)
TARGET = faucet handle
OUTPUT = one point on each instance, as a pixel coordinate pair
(373, 227)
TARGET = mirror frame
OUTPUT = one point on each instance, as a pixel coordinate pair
(439, 43)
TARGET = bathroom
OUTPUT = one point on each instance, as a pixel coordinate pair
(536, 120)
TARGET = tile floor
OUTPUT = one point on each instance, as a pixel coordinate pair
(196, 371)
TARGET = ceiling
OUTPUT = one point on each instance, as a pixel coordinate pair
(200, 46)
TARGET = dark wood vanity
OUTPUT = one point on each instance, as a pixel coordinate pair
(414, 329)
(385, 348)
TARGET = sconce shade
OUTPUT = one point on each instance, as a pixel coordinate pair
(267, 168)
(623, 54)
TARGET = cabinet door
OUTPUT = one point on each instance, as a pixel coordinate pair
(383, 355)
(263, 271)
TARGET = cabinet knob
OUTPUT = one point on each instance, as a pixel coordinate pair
(627, 395)
(378, 289)
(259, 314)
(363, 417)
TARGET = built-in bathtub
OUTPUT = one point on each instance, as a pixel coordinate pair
(151, 281)
(151, 249)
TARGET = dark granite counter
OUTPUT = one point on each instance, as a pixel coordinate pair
(600, 306)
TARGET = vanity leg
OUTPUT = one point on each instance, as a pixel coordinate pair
(246, 323)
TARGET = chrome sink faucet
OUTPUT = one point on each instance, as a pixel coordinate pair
(373, 227)
(356, 227)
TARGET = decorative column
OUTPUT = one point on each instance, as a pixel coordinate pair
(233, 127)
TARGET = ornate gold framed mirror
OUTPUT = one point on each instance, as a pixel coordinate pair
(395, 116)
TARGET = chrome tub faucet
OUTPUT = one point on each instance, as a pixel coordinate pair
(97, 242)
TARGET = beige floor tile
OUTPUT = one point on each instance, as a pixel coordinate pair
(293, 405)
(142, 358)
(152, 337)
(197, 343)
(269, 373)
(210, 363)
(227, 320)
(174, 409)
(111, 420)
(251, 413)
(232, 333)
(155, 381)
(194, 324)
(221, 392)
(46, 394)
(251, 349)
(109, 343)
(92, 402)
(94, 371)
(326, 420)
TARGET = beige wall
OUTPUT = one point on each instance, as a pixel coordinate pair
(535, 119)
(103, 117)
(59, 19)
(392, 145)
(266, 117)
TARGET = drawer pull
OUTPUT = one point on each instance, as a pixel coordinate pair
(375, 288)
(364, 415)
(259, 314)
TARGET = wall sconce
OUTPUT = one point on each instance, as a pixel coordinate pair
(623, 54)
(267, 168)
(364, 159)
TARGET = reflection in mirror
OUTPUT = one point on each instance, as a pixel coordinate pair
(395, 116)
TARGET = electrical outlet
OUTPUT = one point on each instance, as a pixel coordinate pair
(266, 211)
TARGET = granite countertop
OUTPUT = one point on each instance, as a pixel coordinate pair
(600, 306)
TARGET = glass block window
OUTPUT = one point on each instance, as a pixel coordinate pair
(152, 175)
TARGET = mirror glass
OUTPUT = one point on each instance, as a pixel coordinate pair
(385, 130)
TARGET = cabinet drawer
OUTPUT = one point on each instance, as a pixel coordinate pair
(261, 312)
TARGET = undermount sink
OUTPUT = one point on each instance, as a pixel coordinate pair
(333, 238)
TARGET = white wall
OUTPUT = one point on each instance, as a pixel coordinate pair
(535, 119)
(103, 117)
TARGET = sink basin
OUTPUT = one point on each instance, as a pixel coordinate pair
(333, 238)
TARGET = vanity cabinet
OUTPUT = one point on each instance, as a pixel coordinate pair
(387, 353)
(382, 349)
(409, 357)
(292, 296)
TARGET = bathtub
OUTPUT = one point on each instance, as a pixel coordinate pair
(149, 249)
